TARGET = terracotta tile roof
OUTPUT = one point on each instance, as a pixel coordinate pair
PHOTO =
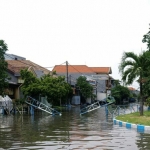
(82, 69)
(72, 69)
(131, 88)
(101, 70)
(16, 65)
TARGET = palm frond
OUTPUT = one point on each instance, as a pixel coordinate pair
(132, 76)
(126, 74)
(128, 59)
(130, 55)
(126, 64)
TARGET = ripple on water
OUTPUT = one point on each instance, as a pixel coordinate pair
(69, 131)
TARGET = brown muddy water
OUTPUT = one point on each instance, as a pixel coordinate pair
(92, 131)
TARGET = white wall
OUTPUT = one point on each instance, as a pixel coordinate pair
(101, 96)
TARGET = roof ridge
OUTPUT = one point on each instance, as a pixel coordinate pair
(16, 65)
(38, 65)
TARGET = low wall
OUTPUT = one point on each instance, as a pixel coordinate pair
(138, 127)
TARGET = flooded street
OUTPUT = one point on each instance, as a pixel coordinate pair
(92, 131)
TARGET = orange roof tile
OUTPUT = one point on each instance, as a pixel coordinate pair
(131, 88)
(82, 69)
(16, 65)
(102, 70)
(72, 69)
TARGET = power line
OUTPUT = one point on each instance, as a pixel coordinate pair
(54, 66)
(75, 68)
(81, 72)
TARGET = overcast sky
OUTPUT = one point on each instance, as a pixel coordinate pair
(82, 32)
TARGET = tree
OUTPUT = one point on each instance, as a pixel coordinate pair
(116, 82)
(55, 88)
(3, 68)
(85, 88)
(134, 66)
(31, 83)
(119, 93)
(146, 39)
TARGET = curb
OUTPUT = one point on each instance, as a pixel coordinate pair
(139, 127)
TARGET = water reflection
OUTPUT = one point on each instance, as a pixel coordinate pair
(69, 131)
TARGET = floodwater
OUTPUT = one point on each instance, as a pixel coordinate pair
(92, 131)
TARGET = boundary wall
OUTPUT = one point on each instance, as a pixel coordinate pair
(138, 127)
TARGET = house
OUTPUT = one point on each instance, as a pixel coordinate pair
(100, 76)
(134, 91)
(15, 65)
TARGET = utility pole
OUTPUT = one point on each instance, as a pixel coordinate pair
(67, 70)
(67, 78)
(70, 78)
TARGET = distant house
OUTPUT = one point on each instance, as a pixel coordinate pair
(133, 90)
(15, 65)
(101, 76)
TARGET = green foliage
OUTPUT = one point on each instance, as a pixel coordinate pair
(31, 83)
(146, 85)
(55, 88)
(19, 101)
(119, 93)
(85, 88)
(147, 103)
(117, 82)
(3, 68)
(134, 66)
(134, 95)
(54, 73)
(146, 39)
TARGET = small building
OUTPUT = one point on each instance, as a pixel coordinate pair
(100, 76)
(15, 65)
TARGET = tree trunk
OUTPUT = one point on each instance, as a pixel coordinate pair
(141, 99)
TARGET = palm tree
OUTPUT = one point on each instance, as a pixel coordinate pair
(146, 39)
(134, 67)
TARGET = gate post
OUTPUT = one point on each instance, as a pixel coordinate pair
(31, 110)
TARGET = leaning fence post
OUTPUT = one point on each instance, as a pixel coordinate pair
(106, 110)
(3, 110)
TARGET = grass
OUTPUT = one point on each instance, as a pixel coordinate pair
(135, 118)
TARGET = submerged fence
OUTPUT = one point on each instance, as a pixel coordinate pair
(116, 110)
